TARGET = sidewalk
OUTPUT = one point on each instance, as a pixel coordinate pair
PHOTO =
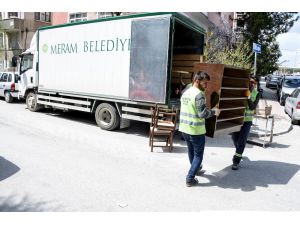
(282, 122)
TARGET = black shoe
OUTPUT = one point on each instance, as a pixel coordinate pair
(235, 166)
(192, 182)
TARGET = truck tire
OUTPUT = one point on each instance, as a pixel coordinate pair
(31, 102)
(8, 97)
(107, 116)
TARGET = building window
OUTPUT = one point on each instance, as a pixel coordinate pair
(104, 14)
(13, 14)
(43, 16)
(77, 17)
(1, 40)
(1, 65)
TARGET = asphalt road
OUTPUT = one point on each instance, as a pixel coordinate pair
(55, 161)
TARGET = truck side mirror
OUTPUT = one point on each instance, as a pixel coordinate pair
(14, 61)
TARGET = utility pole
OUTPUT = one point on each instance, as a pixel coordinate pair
(283, 70)
(295, 64)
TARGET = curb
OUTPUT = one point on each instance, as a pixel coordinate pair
(274, 134)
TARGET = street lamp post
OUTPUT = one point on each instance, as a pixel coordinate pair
(284, 66)
(295, 63)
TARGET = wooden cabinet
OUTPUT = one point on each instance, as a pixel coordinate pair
(227, 88)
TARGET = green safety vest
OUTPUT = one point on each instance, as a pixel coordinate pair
(249, 113)
(190, 122)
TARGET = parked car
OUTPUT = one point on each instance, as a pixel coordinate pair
(289, 84)
(292, 106)
(8, 86)
(272, 81)
(267, 77)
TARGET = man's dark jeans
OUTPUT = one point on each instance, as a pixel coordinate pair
(240, 139)
(196, 144)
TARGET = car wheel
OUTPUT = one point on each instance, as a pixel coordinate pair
(294, 121)
(107, 117)
(8, 97)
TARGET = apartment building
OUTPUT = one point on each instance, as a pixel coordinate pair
(16, 32)
(72, 17)
(222, 20)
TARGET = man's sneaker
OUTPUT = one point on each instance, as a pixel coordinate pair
(235, 166)
(192, 182)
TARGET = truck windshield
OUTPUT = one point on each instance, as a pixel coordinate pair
(26, 63)
(292, 83)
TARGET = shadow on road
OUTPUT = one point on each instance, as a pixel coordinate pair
(9, 204)
(278, 145)
(76, 116)
(7, 168)
(252, 174)
(15, 101)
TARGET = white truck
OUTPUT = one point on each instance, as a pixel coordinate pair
(116, 68)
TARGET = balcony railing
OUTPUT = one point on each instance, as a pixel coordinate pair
(14, 24)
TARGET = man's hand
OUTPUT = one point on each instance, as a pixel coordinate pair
(248, 94)
(217, 111)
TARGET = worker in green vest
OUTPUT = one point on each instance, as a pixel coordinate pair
(193, 113)
(240, 138)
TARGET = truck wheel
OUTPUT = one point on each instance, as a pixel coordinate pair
(31, 102)
(107, 117)
(8, 97)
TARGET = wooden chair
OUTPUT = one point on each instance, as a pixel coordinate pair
(163, 124)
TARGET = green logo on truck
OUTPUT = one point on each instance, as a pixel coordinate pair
(45, 48)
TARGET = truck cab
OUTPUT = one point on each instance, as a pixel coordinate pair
(28, 70)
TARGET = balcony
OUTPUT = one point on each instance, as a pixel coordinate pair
(12, 25)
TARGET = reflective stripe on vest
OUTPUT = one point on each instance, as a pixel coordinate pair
(190, 122)
(249, 113)
(238, 155)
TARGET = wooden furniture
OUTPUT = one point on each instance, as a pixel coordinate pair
(228, 89)
(183, 68)
(162, 127)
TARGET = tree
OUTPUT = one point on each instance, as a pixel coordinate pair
(263, 28)
(222, 47)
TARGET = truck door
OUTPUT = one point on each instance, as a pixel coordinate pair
(149, 55)
(26, 74)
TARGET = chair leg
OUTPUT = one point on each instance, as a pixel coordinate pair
(152, 137)
(171, 142)
(150, 134)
